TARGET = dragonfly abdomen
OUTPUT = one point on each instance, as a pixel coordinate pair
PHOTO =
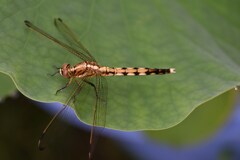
(107, 71)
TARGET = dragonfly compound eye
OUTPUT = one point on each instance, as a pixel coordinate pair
(64, 70)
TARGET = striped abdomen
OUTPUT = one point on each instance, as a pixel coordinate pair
(107, 71)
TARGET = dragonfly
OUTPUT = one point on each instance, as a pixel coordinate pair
(88, 73)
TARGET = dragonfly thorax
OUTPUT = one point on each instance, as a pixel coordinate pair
(83, 69)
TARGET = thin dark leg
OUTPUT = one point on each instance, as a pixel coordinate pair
(53, 74)
(80, 86)
(91, 84)
(55, 67)
(70, 80)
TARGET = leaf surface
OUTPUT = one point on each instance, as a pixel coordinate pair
(199, 39)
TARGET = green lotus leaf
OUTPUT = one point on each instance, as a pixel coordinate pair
(200, 39)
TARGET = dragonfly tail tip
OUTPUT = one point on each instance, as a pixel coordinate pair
(172, 70)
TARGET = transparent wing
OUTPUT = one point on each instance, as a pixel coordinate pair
(101, 101)
(91, 105)
(71, 38)
(60, 43)
(100, 109)
(77, 87)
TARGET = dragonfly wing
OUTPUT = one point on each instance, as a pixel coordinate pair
(60, 43)
(99, 118)
(77, 88)
(101, 102)
(71, 38)
(91, 105)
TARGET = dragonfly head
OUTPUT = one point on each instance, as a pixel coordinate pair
(64, 70)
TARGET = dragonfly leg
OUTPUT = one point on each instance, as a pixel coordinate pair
(53, 74)
(91, 84)
(74, 96)
(67, 84)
